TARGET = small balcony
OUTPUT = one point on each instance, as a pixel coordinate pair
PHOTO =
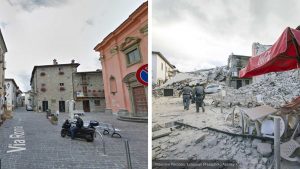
(92, 94)
(84, 82)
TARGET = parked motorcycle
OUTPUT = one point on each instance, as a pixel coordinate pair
(87, 133)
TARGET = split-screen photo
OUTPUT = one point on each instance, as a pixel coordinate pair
(73, 84)
(223, 86)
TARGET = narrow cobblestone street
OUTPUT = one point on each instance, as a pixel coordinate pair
(46, 149)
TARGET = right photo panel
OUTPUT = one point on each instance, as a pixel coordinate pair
(225, 80)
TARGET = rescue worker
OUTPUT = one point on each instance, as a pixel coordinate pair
(186, 95)
(199, 96)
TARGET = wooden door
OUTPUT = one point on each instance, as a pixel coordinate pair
(86, 105)
(62, 106)
(140, 100)
(45, 105)
(238, 84)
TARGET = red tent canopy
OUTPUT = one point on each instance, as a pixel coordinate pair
(282, 56)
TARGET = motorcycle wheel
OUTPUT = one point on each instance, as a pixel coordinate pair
(63, 133)
(89, 137)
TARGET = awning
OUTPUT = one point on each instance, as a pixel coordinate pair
(282, 56)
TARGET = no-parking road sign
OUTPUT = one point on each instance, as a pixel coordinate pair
(142, 74)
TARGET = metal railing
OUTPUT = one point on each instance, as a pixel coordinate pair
(89, 94)
(128, 158)
(103, 142)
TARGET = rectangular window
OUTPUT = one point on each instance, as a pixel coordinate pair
(84, 88)
(247, 82)
(133, 56)
(84, 79)
(162, 66)
(83, 76)
(61, 84)
(97, 102)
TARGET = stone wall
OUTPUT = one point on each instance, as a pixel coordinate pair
(48, 88)
(95, 90)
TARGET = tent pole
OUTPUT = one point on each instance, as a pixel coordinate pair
(296, 46)
(297, 50)
(277, 157)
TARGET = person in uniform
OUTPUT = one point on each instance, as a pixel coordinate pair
(199, 96)
(186, 95)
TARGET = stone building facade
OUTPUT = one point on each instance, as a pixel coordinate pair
(12, 94)
(3, 50)
(89, 90)
(52, 86)
(235, 64)
(122, 52)
(28, 99)
(162, 69)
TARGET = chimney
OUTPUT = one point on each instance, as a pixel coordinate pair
(72, 61)
(54, 62)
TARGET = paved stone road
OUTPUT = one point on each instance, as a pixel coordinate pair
(46, 149)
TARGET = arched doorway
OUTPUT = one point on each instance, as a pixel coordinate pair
(137, 94)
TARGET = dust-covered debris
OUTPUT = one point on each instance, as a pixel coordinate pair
(264, 149)
(215, 75)
(274, 89)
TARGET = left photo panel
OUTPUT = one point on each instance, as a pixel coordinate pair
(73, 84)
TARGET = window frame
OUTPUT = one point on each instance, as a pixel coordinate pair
(131, 49)
(96, 104)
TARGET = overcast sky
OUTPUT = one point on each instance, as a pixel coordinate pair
(37, 31)
(196, 34)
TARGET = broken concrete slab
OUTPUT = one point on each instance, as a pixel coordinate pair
(161, 133)
(255, 142)
(264, 160)
(172, 149)
(264, 149)
(156, 127)
(200, 138)
(172, 123)
(213, 142)
(175, 134)
(248, 151)
(173, 141)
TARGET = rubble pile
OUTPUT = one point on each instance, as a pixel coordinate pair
(177, 82)
(185, 143)
(218, 74)
(276, 89)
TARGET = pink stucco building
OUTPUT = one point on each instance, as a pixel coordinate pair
(122, 52)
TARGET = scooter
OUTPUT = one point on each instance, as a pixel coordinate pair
(87, 133)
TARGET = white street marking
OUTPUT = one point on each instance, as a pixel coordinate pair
(19, 140)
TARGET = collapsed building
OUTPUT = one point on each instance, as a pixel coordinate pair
(204, 76)
(235, 64)
(273, 89)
